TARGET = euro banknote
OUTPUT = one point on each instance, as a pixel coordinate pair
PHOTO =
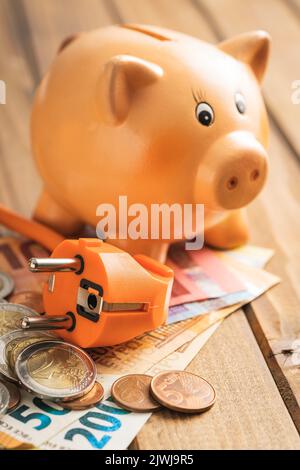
(242, 264)
(251, 255)
(200, 275)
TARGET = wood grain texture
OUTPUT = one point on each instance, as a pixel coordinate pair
(52, 21)
(19, 183)
(31, 31)
(275, 218)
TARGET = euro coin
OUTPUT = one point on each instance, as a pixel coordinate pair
(11, 316)
(31, 299)
(55, 370)
(132, 392)
(4, 399)
(9, 342)
(14, 396)
(21, 341)
(182, 391)
(94, 396)
(6, 285)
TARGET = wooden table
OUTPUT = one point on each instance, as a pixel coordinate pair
(258, 389)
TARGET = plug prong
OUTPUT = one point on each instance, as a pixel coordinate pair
(47, 323)
(50, 265)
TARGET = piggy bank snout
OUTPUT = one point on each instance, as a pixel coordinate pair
(236, 170)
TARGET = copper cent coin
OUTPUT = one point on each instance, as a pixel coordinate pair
(31, 299)
(182, 391)
(14, 396)
(132, 392)
(94, 396)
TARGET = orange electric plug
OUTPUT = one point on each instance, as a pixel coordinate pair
(100, 295)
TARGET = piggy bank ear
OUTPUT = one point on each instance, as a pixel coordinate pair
(121, 78)
(252, 48)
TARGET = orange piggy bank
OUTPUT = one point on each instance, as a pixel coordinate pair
(159, 117)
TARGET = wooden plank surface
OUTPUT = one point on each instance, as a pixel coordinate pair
(51, 22)
(19, 182)
(32, 31)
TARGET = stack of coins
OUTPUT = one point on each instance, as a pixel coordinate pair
(179, 390)
(42, 364)
(10, 395)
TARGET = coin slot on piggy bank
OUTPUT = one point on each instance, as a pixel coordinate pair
(99, 295)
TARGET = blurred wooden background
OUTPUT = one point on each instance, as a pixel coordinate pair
(258, 393)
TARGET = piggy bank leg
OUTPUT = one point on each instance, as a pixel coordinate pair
(156, 250)
(230, 232)
(50, 213)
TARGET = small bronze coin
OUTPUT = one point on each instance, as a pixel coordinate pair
(182, 391)
(94, 396)
(31, 299)
(14, 396)
(132, 392)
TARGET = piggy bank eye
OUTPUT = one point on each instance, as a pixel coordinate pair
(205, 114)
(240, 103)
